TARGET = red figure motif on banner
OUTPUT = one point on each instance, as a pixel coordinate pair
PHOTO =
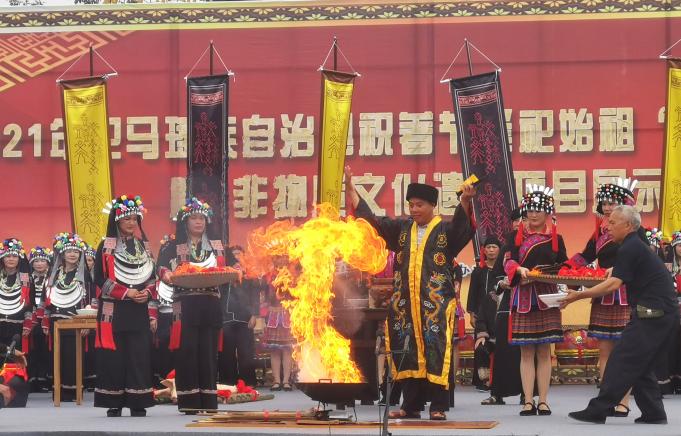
(205, 145)
(484, 144)
(493, 214)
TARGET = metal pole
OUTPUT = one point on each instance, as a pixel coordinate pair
(92, 61)
(335, 53)
(468, 55)
(211, 57)
(388, 393)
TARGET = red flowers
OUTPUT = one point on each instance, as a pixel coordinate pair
(581, 271)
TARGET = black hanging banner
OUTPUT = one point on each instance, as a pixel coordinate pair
(207, 159)
(485, 152)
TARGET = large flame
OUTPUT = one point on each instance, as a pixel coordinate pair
(312, 250)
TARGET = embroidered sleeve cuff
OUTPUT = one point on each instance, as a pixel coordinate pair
(510, 268)
(114, 290)
(28, 322)
(151, 289)
(482, 335)
(162, 271)
(153, 310)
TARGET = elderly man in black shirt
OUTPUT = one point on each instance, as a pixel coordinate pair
(655, 318)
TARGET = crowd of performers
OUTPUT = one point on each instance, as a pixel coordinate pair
(147, 327)
(513, 327)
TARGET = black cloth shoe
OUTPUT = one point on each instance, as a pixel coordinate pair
(587, 416)
(619, 414)
(529, 412)
(113, 413)
(138, 412)
(543, 412)
(646, 420)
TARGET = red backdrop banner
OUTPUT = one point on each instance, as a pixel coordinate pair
(583, 99)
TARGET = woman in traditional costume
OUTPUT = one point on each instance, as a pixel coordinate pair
(162, 358)
(277, 338)
(534, 325)
(40, 260)
(69, 288)
(197, 314)
(125, 275)
(16, 294)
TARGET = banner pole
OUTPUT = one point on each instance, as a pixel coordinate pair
(92, 61)
(468, 56)
(212, 49)
(335, 53)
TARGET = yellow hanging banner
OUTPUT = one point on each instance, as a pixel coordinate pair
(86, 135)
(336, 104)
(670, 202)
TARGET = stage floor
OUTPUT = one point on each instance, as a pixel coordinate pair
(41, 418)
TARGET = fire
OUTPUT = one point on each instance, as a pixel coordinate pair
(312, 250)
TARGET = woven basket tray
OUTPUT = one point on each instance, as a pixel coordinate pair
(566, 280)
(205, 279)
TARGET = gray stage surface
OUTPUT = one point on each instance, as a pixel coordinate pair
(41, 418)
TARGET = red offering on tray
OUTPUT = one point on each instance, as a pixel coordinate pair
(192, 276)
(581, 276)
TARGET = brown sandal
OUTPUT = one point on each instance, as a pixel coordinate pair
(402, 414)
(438, 416)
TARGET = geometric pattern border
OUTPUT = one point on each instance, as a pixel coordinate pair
(216, 14)
(27, 55)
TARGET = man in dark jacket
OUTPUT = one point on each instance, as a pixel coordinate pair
(241, 306)
(482, 306)
(654, 321)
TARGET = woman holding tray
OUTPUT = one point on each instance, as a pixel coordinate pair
(534, 325)
(17, 293)
(125, 276)
(68, 289)
(197, 314)
(611, 313)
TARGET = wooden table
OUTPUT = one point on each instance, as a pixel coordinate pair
(78, 324)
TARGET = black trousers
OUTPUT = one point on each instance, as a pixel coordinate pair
(162, 358)
(39, 366)
(196, 367)
(675, 362)
(416, 392)
(506, 380)
(90, 364)
(124, 374)
(632, 366)
(237, 360)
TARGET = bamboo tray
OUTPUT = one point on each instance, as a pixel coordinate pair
(205, 279)
(566, 280)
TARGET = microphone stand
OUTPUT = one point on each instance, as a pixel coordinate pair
(9, 353)
(390, 381)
